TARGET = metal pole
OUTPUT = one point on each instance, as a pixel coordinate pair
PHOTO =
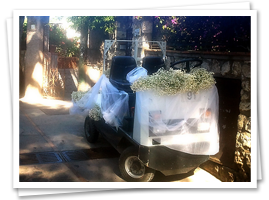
(135, 50)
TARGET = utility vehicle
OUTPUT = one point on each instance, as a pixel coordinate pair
(144, 149)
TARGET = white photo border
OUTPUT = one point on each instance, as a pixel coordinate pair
(130, 12)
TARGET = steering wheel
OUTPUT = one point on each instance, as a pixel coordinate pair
(187, 61)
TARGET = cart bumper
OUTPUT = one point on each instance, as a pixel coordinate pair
(169, 161)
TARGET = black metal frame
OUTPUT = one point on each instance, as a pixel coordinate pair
(187, 61)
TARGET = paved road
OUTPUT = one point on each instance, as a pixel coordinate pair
(53, 149)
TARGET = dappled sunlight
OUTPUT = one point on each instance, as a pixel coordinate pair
(33, 143)
(30, 34)
(200, 176)
(68, 141)
(33, 34)
(46, 173)
(41, 55)
(196, 176)
(37, 73)
(51, 103)
(32, 94)
(83, 86)
(145, 46)
(99, 170)
(93, 73)
(72, 140)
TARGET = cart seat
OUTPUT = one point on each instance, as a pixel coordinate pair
(120, 67)
(152, 64)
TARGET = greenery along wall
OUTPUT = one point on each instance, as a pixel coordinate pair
(203, 33)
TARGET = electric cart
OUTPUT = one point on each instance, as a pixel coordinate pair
(142, 149)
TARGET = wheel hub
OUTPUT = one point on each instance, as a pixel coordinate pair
(134, 167)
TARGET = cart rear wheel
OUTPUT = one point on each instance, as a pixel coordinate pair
(132, 169)
(90, 131)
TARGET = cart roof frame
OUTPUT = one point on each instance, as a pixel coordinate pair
(135, 45)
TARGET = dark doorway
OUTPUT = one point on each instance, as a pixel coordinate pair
(229, 99)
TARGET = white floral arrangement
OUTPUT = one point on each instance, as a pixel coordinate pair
(171, 82)
(77, 95)
(95, 113)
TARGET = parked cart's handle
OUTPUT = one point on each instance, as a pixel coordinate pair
(187, 61)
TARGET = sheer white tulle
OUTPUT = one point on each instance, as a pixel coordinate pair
(113, 103)
(185, 122)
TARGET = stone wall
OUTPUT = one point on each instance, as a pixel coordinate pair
(34, 56)
(230, 66)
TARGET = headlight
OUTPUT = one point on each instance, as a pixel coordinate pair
(158, 130)
(203, 126)
(156, 122)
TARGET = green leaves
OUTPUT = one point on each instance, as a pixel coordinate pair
(105, 23)
(64, 46)
(204, 33)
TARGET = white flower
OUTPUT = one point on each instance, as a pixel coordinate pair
(95, 113)
(170, 82)
(76, 96)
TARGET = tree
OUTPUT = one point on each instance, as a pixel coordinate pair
(64, 46)
(85, 24)
(204, 33)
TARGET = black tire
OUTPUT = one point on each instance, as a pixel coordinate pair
(132, 169)
(90, 131)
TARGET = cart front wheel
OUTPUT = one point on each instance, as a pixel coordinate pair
(90, 131)
(132, 169)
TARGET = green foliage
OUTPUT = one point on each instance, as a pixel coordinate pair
(23, 37)
(64, 46)
(105, 23)
(204, 33)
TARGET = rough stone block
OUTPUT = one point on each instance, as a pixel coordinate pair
(245, 139)
(246, 70)
(245, 95)
(215, 66)
(243, 144)
(246, 85)
(206, 64)
(248, 124)
(236, 68)
(225, 68)
(248, 158)
(238, 159)
(241, 122)
(244, 106)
